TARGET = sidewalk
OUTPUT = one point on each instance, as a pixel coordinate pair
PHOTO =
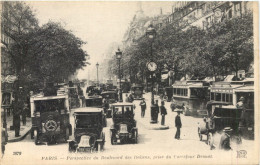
(24, 130)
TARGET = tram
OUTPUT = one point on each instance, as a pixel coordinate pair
(191, 96)
(226, 95)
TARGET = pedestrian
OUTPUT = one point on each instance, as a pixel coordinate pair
(131, 98)
(105, 105)
(156, 111)
(178, 125)
(241, 105)
(127, 98)
(163, 112)
(24, 113)
(225, 139)
(173, 105)
(143, 107)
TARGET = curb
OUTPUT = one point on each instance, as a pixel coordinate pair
(19, 138)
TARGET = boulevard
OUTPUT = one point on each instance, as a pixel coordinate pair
(158, 143)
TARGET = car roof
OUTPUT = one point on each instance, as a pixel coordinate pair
(123, 104)
(88, 109)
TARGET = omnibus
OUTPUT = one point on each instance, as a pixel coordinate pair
(191, 96)
(226, 95)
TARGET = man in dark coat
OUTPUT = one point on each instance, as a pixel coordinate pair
(143, 107)
(178, 125)
(156, 112)
(24, 113)
(163, 113)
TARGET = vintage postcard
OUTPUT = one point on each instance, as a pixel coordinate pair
(129, 82)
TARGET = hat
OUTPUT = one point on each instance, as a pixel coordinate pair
(227, 129)
(241, 98)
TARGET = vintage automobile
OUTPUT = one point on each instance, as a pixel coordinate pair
(94, 101)
(124, 128)
(221, 117)
(50, 118)
(88, 130)
(93, 90)
(111, 97)
(137, 92)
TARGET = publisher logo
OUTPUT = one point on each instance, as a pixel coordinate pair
(241, 154)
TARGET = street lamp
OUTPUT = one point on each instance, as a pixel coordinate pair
(151, 65)
(118, 57)
(97, 65)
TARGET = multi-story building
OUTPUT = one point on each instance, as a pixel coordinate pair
(202, 14)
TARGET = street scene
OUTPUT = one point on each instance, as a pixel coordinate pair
(128, 82)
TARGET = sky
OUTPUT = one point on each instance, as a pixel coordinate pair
(97, 23)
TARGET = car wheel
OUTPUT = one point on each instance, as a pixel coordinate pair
(113, 139)
(136, 137)
(72, 147)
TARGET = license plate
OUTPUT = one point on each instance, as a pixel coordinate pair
(118, 140)
(250, 128)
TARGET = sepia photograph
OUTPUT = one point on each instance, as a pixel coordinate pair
(129, 82)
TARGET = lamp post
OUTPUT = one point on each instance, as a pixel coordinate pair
(151, 65)
(118, 57)
(97, 65)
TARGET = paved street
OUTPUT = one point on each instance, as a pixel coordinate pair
(150, 142)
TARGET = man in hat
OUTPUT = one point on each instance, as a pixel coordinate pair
(156, 111)
(163, 112)
(143, 107)
(178, 125)
(225, 139)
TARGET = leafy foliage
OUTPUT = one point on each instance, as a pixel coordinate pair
(224, 47)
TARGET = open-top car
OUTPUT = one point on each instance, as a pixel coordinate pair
(124, 127)
(109, 97)
(88, 130)
(50, 118)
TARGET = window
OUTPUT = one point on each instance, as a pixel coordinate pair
(174, 91)
(212, 96)
(238, 7)
(230, 13)
(185, 92)
(118, 110)
(223, 97)
(178, 91)
(217, 96)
